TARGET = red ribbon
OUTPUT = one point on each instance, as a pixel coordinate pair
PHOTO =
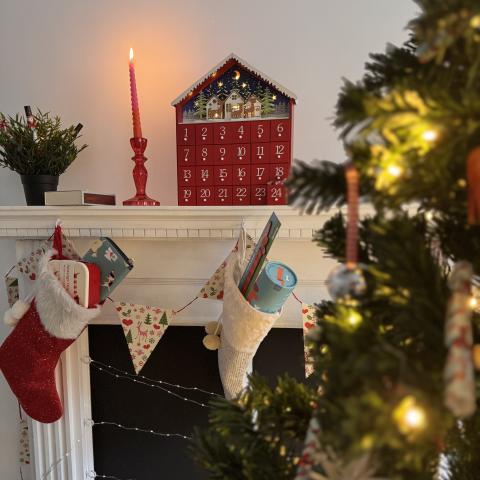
(352, 177)
(473, 181)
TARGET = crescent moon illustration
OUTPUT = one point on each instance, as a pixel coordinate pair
(236, 74)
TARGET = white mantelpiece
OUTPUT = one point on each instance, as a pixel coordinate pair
(154, 222)
(175, 249)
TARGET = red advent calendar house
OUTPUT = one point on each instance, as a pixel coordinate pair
(234, 137)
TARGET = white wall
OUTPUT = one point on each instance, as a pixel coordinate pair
(71, 58)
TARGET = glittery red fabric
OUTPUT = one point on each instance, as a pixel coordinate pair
(28, 358)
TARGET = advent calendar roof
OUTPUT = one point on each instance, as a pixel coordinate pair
(230, 59)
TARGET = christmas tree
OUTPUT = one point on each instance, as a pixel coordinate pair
(129, 337)
(394, 351)
(148, 319)
(268, 105)
(200, 106)
(164, 320)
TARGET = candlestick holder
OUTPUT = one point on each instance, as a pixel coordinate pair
(140, 175)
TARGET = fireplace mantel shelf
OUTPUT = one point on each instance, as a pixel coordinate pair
(155, 222)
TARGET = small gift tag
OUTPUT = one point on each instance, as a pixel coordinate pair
(11, 286)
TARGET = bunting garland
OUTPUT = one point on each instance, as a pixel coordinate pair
(143, 327)
(213, 288)
(29, 264)
(11, 287)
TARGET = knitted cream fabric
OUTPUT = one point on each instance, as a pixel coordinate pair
(243, 329)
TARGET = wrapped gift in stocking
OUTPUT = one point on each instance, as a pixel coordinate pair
(243, 329)
(29, 355)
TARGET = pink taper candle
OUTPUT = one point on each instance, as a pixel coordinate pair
(137, 127)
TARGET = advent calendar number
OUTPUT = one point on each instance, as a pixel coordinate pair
(260, 192)
(279, 149)
(205, 193)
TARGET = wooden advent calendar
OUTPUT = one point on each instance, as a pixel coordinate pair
(234, 137)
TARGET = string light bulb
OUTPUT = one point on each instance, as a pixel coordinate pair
(473, 302)
(394, 170)
(430, 135)
(274, 97)
(410, 416)
(354, 318)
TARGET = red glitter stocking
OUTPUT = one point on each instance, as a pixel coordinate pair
(29, 355)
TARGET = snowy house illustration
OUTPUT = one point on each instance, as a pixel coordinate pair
(234, 105)
(214, 108)
(253, 107)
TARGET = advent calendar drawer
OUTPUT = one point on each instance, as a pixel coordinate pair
(260, 174)
(223, 195)
(204, 134)
(280, 130)
(204, 175)
(223, 154)
(260, 131)
(260, 152)
(220, 134)
(241, 175)
(185, 134)
(279, 172)
(241, 195)
(186, 176)
(280, 152)
(205, 195)
(222, 175)
(276, 194)
(238, 132)
(186, 196)
(258, 195)
(241, 154)
(185, 155)
(205, 155)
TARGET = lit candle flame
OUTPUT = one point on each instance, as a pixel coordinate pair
(131, 55)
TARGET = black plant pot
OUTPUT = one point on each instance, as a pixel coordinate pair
(35, 186)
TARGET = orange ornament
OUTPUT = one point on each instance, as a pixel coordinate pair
(476, 356)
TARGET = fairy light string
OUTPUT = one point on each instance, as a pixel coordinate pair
(141, 380)
(120, 426)
(153, 380)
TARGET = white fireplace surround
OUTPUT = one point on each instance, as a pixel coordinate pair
(175, 251)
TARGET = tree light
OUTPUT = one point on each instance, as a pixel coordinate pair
(394, 170)
(430, 135)
(353, 318)
(473, 302)
(410, 416)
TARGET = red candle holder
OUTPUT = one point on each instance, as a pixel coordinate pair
(140, 175)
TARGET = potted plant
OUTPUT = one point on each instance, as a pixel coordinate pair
(39, 150)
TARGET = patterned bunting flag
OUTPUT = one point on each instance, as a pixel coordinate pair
(143, 327)
(309, 322)
(11, 286)
(29, 264)
(213, 288)
(24, 451)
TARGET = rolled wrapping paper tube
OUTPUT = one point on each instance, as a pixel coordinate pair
(272, 288)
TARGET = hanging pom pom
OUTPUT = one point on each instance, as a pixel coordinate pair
(211, 342)
(211, 328)
(473, 182)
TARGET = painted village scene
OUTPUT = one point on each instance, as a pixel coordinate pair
(236, 95)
